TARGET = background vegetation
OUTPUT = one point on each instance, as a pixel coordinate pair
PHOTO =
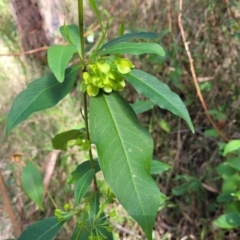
(212, 29)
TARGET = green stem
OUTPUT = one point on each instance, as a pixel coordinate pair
(80, 22)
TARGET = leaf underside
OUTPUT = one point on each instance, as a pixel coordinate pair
(125, 149)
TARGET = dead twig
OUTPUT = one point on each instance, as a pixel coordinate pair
(194, 76)
(17, 230)
(50, 168)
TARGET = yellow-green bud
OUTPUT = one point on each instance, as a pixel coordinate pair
(103, 67)
(66, 206)
(92, 90)
(124, 65)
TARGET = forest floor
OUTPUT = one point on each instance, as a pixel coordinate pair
(212, 29)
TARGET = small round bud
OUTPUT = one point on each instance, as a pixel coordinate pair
(112, 214)
(66, 206)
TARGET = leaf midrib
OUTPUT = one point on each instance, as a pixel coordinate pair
(115, 125)
(161, 95)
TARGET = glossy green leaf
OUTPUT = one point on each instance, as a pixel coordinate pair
(83, 185)
(83, 168)
(32, 183)
(58, 59)
(159, 93)
(40, 94)
(234, 163)
(125, 150)
(228, 221)
(141, 106)
(92, 225)
(133, 48)
(127, 37)
(158, 167)
(71, 34)
(231, 147)
(45, 229)
(60, 140)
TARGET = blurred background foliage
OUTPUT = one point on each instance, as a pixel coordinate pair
(212, 28)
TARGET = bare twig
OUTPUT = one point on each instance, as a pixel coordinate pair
(194, 74)
(50, 168)
(123, 229)
(9, 209)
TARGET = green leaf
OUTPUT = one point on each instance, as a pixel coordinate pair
(127, 37)
(40, 94)
(45, 229)
(133, 48)
(125, 150)
(225, 170)
(158, 167)
(231, 184)
(84, 233)
(228, 221)
(159, 93)
(211, 133)
(231, 147)
(141, 106)
(83, 184)
(234, 163)
(71, 34)
(232, 207)
(32, 183)
(58, 59)
(225, 197)
(179, 190)
(60, 140)
(83, 168)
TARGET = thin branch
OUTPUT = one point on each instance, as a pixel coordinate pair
(194, 74)
(25, 53)
(9, 209)
(43, 48)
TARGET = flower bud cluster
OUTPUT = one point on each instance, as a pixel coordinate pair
(105, 74)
